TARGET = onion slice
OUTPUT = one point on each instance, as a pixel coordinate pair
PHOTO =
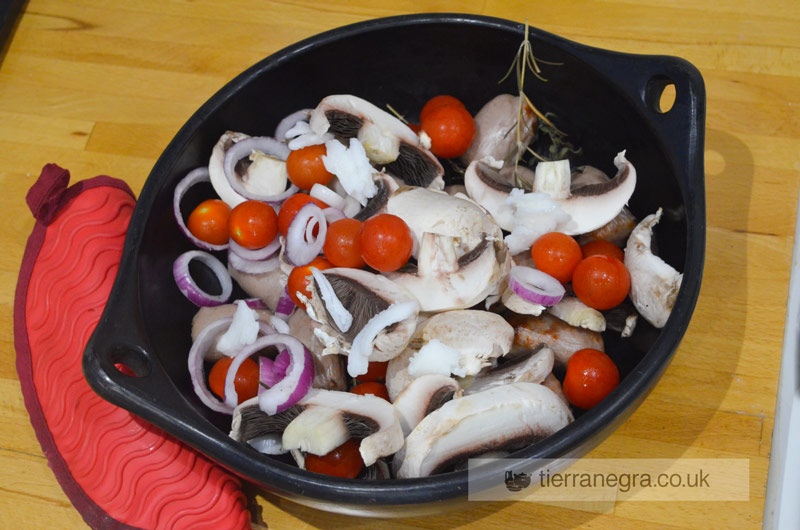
(285, 306)
(333, 214)
(193, 177)
(290, 121)
(259, 253)
(299, 374)
(301, 244)
(205, 339)
(248, 266)
(358, 357)
(535, 286)
(341, 316)
(327, 195)
(190, 289)
(243, 149)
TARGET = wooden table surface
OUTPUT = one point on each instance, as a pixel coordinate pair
(101, 87)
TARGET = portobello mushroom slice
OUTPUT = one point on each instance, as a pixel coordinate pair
(422, 396)
(388, 142)
(496, 130)
(329, 370)
(531, 367)
(503, 418)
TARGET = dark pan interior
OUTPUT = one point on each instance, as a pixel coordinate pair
(403, 62)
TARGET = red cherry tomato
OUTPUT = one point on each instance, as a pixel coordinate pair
(345, 461)
(298, 279)
(601, 246)
(371, 387)
(436, 102)
(376, 371)
(305, 167)
(451, 129)
(253, 224)
(591, 375)
(209, 221)
(342, 246)
(291, 206)
(245, 382)
(386, 242)
(601, 282)
(556, 254)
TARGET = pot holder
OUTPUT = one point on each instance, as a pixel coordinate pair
(117, 470)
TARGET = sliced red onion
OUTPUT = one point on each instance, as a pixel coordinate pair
(298, 379)
(327, 195)
(193, 177)
(333, 214)
(279, 324)
(257, 254)
(253, 267)
(290, 121)
(243, 149)
(361, 349)
(267, 375)
(285, 306)
(341, 316)
(190, 289)
(351, 206)
(204, 341)
(255, 303)
(535, 286)
(301, 244)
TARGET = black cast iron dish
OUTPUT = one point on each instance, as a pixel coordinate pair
(605, 101)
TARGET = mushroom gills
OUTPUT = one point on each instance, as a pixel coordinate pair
(251, 424)
(654, 283)
(532, 367)
(500, 418)
(320, 429)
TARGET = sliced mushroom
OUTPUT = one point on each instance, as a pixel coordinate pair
(263, 432)
(329, 370)
(532, 367)
(443, 281)
(654, 283)
(386, 140)
(554, 384)
(618, 229)
(386, 186)
(500, 418)
(479, 337)
(206, 316)
(397, 376)
(364, 295)
(559, 336)
(485, 186)
(622, 318)
(378, 415)
(496, 129)
(576, 313)
(422, 396)
(267, 286)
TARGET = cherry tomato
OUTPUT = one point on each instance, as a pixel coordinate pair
(376, 371)
(601, 282)
(601, 246)
(591, 375)
(305, 167)
(371, 387)
(436, 102)
(291, 206)
(451, 129)
(209, 221)
(245, 382)
(342, 245)
(345, 461)
(298, 279)
(556, 254)
(253, 224)
(386, 242)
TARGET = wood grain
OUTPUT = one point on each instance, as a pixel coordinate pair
(101, 87)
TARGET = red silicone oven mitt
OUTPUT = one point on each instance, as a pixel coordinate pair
(117, 470)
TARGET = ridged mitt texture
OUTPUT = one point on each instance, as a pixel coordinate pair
(117, 470)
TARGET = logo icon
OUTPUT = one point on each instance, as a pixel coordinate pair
(517, 481)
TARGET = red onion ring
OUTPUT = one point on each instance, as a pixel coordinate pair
(255, 303)
(301, 245)
(257, 254)
(249, 266)
(327, 195)
(243, 149)
(190, 289)
(290, 121)
(195, 176)
(535, 286)
(285, 306)
(272, 371)
(291, 388)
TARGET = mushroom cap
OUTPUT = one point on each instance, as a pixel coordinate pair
(500, 418)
